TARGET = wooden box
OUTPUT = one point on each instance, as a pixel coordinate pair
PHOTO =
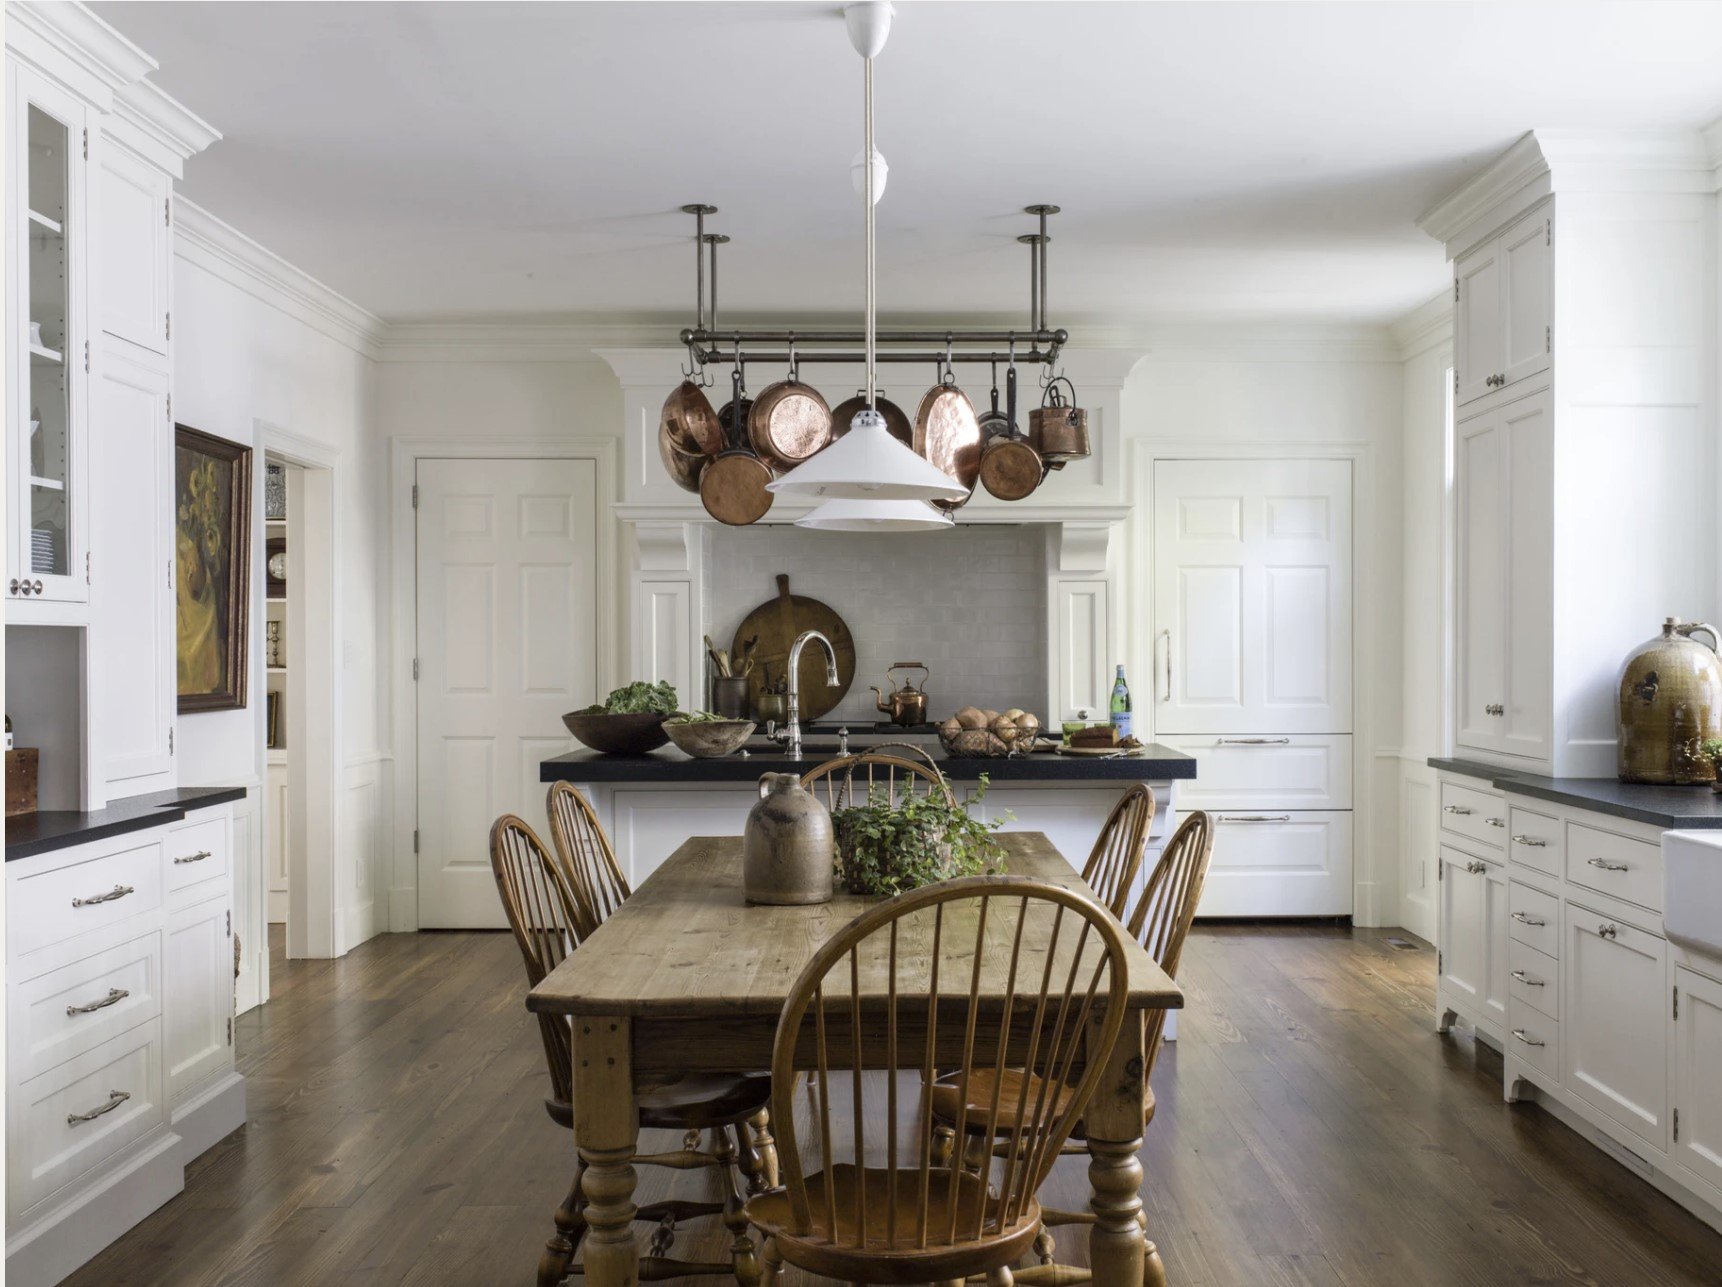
(21, 781)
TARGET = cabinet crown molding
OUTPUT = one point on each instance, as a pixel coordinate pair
(158, 127)
(70, 43)
(1544, 161)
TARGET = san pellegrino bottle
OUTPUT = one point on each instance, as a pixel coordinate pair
(1121, 705)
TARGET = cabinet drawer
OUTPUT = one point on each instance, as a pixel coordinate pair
(1535, 1038)
(1534, 978)
(64, 1122)
(1267, 771)
(77, 1007)
(1536, 840)
(1477, 815)
(196, 852)
(1534, 919)
(90, 893)
(1615, 865)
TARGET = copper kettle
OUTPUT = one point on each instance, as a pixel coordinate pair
(906, 705)
(1670, 705)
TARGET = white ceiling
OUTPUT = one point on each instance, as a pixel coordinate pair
(1256, 160)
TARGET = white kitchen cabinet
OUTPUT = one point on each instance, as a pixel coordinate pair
(1697, 1055)
(647, 826)
(1473, 964)
(1615, 1029)
(279, 815)
(1505, 487)
(1502, 307)
(132, 643)
(47, 351)
(197, 979)
(1273, 862)
(1267, 771)
(133, 215)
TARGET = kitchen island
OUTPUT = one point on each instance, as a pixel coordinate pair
(651, 803)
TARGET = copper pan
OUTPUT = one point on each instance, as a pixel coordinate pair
(948, 436)
(732, 485)
(688, 434)
(788, 423)
(896, 420)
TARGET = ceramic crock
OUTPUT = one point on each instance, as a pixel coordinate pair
(1670, 705)
(787, 846)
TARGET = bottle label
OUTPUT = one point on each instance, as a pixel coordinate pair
(1121, 722)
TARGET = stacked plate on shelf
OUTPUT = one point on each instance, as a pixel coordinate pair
(44, 543)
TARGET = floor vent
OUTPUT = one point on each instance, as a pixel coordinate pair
(1402, 944)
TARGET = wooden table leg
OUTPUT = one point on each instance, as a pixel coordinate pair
(607, 1129)
(1118, 1252)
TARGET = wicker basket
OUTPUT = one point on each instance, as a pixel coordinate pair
(983, 744)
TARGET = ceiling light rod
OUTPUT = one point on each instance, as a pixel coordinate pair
(713, 346)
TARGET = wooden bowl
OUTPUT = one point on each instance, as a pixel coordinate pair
(710, 739)
(619, 734)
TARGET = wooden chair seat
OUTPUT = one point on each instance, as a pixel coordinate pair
(694, 1102)
(839, 1253)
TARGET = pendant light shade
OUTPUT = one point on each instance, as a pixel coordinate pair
(875, 516)
(867, 463)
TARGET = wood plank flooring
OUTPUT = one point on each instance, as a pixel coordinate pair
(1312, 1129)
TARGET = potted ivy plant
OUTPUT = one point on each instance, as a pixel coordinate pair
(1712, 750)
(886, 847)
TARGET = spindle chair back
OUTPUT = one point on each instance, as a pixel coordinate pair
(852, 780)
(1116, 858)
(588, 861)
(1161, 919)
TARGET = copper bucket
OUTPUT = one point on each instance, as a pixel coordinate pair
(1057, 429)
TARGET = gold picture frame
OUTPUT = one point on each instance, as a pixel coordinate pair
(212, 569)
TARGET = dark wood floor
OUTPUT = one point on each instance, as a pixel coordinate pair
(1312, 1129)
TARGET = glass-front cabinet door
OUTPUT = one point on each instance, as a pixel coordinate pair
(47, 355)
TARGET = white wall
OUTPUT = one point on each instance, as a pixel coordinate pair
(969, 603)
(258, 346)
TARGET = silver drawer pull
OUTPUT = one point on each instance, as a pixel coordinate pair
(1532, 841)
(1604, 864)
(115, 1099)
(1607, 931)
(1496, 822)
(1527, 980)
(199, 856)
(114, 997)
(1529, 1041)
(1253, 741)
(1255, 817)
(1476, 868)
(1523, 919)
(118, 891)
(1458, 809)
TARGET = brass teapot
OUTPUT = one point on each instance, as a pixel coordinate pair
(906, 705)
(1670, 705)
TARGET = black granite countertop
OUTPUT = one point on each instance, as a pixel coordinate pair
(1672, 808)
(29, 834)
(1155, 764)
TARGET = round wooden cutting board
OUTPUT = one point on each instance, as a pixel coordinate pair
(777, 622)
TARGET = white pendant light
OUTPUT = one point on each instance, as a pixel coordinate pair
(867, 463)
(875, 516)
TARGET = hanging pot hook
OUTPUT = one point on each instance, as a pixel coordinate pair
(949, 376)
(794, 363)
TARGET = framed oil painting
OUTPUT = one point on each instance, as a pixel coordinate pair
(212, 568)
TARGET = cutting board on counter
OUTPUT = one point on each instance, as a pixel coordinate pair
(777, 622)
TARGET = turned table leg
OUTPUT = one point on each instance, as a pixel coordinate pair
(1119, 1254)
(607, 1127)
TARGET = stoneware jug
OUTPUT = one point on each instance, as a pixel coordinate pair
(787, 847)
(1670, 704)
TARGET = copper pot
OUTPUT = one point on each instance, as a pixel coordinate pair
(948, 436)
(688, 435)
(732, 484)
(1057, 429)
(789, 422)
(1670, 705)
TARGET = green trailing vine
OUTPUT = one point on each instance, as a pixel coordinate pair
(885, 848)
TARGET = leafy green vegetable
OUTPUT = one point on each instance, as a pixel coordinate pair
(702, 717)
(1713, 750)
(885, 849)
(638, 698)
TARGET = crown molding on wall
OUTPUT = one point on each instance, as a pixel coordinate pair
(158, 127)
(220, 248)
(69, 43)
(1428, 326)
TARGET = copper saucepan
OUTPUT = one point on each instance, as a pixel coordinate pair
(688, 434)
(732, 485)
(1011, 468)
(948, 435)
(790, 421)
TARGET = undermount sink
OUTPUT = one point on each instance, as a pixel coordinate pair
(1692, 889)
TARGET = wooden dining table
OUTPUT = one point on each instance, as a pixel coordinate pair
(688, 977)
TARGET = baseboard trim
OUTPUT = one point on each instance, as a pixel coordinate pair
(210, 1114)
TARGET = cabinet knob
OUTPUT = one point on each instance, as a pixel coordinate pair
(1476, 868)
(14, 585)
(38, 587)
(1494, 708)
(1606, 930)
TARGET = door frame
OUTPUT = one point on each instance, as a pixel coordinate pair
(404, 456)
(1374, 878)
(314, 719)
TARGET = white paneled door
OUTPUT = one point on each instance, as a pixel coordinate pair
(507, 628)
(1252, 596)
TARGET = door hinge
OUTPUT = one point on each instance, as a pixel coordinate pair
(86, 567)
(167, 212)
(86, 357)
(1677, 1001)
(1455, 382)
(1548, 232)
(1677, 1126)
(170, 574)
(167, 326)
(170, 408)
(1455, 290)
(1440, 963)
(170, 740)
(415, 841)
(1548, 339)
(229, 922)
(230, 1030)
(1440, 871)
(415, 669)
(415, 495)
(86, 143)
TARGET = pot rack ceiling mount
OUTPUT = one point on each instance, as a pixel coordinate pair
(708, 345)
